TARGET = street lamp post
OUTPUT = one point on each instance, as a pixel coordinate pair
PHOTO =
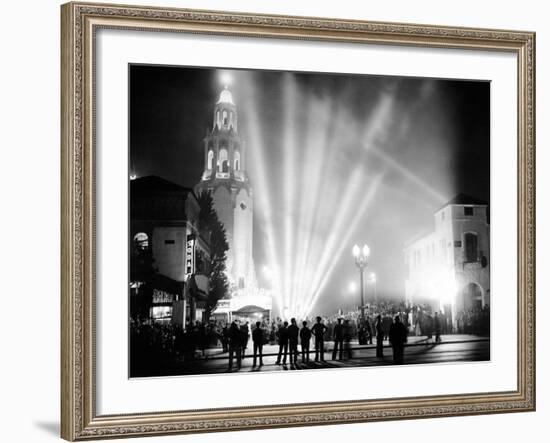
(361, 255)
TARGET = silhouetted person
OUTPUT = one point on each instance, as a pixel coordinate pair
(225, 338)
(318, 331)
(305, 338)
(293, 332)
(338, 337)
(398, 338)
(368, 331)
(348, 334)
(244, 337)
(235, 345)
(437, 327)
(283, 343)
(428, 326)
(258, 342)
(379, 328)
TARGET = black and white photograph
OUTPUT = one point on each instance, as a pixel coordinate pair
(284, 221)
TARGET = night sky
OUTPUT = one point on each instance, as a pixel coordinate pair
(428, 138)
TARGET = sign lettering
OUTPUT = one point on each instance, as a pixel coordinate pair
(190, 255)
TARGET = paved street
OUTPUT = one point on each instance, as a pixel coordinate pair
(453, 348)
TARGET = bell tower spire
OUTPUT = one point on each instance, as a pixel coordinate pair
(225, 176)
(223, 147)
(225, 112)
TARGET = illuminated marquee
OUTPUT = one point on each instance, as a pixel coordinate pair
(160, 296)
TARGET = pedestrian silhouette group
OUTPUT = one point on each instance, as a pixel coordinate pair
(289, 336)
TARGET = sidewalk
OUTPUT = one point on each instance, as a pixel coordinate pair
(272, 350)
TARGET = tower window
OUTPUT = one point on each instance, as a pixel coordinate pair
(225, 118)
(468, 210)
(223, 165)
(210, 159)
(470, 247)
(243, 205)
(237, 161)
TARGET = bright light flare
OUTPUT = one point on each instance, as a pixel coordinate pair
(226, 78)
(439, 284)
(313, 202)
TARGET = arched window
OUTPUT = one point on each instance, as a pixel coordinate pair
(470, 247)
(210, 159)
(223, 165)
(218, 121)
(237, 161)
(225, 118)
(141, 242)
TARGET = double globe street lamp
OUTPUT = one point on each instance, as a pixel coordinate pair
(361, 255)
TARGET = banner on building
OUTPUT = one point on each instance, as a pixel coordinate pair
(190, 255)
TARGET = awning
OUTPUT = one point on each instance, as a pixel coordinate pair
(198, 286)
(250, 309)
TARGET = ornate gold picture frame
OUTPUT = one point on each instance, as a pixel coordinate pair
(80, 22)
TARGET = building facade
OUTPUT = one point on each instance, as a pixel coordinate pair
(225, 177)
(169, 253)
(448, 269)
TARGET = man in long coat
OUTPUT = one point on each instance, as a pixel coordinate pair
(338, 336)
(283, 343)
(293, 332)
(235, 345)
(318, 331)
(398, 338)
(258, 343)
(305, 338)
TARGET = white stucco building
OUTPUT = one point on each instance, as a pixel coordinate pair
(165, 228)
(449, 267)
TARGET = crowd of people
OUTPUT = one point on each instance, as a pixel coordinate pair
(341, 332)
(304, 338)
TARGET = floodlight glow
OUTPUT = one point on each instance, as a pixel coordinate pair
(412, 178)
(372, 277)
(263, 198)
(286, 314)
(289, 188)
(358, 216)
(439, 284)
(308, 206)
(226, 78)
(352, 287)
